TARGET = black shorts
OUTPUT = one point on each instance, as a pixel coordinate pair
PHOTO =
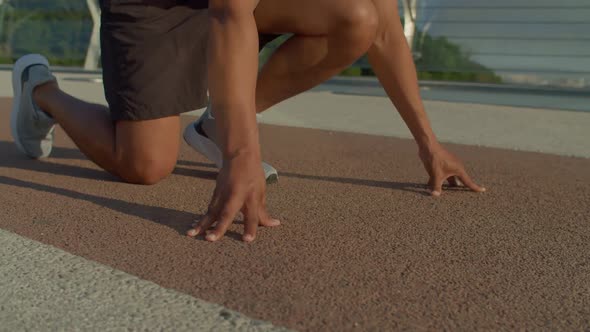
(154, 57)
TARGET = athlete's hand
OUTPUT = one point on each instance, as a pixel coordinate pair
(443, 166)
(240, 187)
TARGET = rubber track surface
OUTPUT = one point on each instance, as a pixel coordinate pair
(362, 245)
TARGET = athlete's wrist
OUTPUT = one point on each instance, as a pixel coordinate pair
(428, 144)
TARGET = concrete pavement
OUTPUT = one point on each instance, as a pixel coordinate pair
(524, 129)
(47, 289)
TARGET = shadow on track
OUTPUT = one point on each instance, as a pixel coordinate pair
(177, 220)
(14, 159)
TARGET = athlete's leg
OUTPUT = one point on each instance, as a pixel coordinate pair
(328, 36)
(141, 152)
(138, 139)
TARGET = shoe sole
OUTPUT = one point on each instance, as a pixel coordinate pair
(17, 73)
(272, 179)
(201, 144)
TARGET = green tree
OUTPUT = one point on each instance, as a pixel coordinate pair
(59, 29)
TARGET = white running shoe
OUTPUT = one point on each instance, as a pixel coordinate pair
(31, 128)
(197, 139)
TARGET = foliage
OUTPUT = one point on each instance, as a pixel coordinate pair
(441, 59)
(60, 29)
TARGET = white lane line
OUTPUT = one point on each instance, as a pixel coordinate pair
(43, 288)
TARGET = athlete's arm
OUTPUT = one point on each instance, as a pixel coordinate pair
(233, 67)
(392, 61)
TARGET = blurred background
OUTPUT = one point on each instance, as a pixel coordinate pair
(537, 44)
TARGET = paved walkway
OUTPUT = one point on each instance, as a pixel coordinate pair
(364, 109)
(362, 246)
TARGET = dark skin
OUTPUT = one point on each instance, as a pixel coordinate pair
(232, 84)
(397, 74)
(328, 36)
(306, 60)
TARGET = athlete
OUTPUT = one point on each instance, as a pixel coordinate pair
(306, 60)
(154, 68)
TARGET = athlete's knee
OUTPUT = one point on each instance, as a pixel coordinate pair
(146, 169)
(363, 15)
(360, 24)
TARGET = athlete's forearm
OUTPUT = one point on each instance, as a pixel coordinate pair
(392, 61)
(233, 66)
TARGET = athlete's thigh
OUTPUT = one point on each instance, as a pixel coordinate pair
(305, 17)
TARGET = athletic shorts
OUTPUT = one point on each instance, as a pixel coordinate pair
(154, 57)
